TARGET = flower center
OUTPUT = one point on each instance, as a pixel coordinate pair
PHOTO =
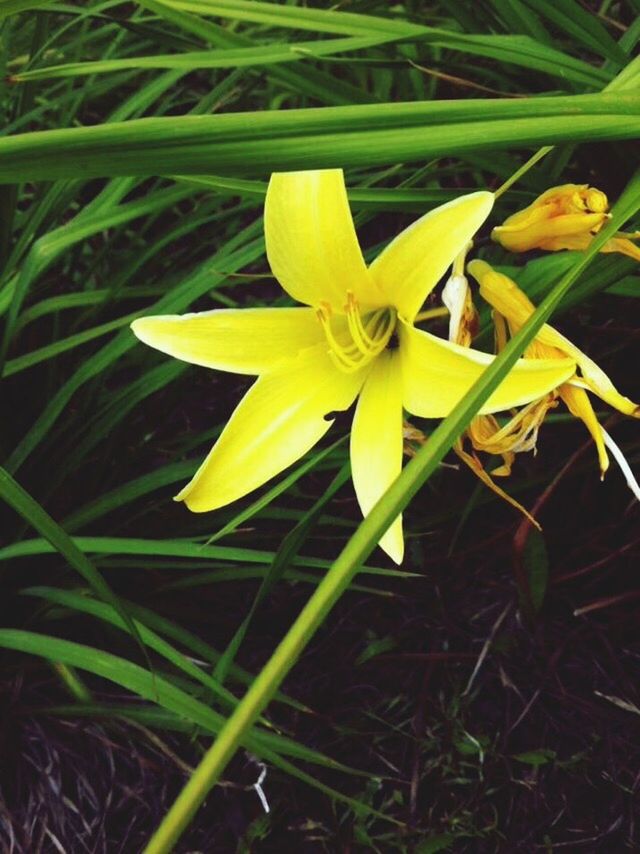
(358, 338)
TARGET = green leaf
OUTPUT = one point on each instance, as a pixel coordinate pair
(177, 299)
(536, 564)
(518, 50)
(160, 548)
(581, 25)
(58, 540)
(441, 842)
(282, 559)
(536, 757)
(269, 746)
(334, 136)
(194, 60)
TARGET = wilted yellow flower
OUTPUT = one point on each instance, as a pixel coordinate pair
(354, 337)
(485, 433)
(512, 304)
(565, 217)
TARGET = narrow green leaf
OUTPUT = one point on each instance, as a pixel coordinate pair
(282, 559)
(158, 548)
(536, 757)
(518, 50)
(194, 60)
(269, 746)
(535, 560)
(275, 491)
(13, 7)
(58, 540)
(332, 136)
(206, 278)
(581, 25)
(63, 345)
(85, 605)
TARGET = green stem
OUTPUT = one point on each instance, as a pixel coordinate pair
(542, 152)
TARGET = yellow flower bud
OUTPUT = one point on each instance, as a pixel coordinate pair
(565, 217)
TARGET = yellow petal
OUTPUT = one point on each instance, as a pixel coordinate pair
(244, 341)
(506, 297)
(478, 469)
(436, 374)
(555, 220)
(412, 264)
(312, 245)
(579, 405)
(592, 373)
(568, 198)
(376, 443)
(543, 232)
(280, 418)
(624, 246)
(501, 293)
(573, 242)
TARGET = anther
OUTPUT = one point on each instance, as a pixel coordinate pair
(367, 337)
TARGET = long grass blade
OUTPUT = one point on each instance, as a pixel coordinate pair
(333, 136)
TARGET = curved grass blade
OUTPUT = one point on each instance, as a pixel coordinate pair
(195, 60)
(202, 281)
(49, 247)
(282, 560)
(129, 492)
(275, 491)
(85, 605)
(159, 690)
(517, 50)
(200, 648)
(360, 198)
(63, 345)
(161, 548)
(581, 25)
(58, 540)
(311, 82)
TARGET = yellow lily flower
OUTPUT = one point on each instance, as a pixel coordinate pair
(565, 217)
(353, 337)
(512, 304)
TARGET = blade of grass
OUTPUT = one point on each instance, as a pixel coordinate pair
(518, 50)
(49, 247)
(129, 492)
(275, 491)
(311, 82)
(161, 691)
(360, 198)
(36, 516)
(159, 548)
(332, 136)
(202, 281)
(580, 25)
(194, 60)
(281, 562)
(200, 648)
(63, 345)
(83, 604)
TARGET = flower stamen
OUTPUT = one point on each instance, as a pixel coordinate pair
(366, 336)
